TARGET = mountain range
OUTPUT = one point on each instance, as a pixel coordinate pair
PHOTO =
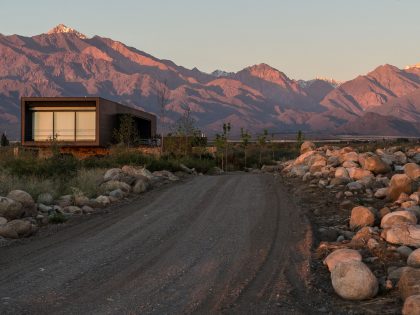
(64, 62)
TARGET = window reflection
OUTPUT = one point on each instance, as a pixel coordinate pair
(64, 125)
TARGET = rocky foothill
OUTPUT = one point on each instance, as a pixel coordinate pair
(377, 250)
(21, 215)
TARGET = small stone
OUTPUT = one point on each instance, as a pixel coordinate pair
(354, 186)
(414, 259)
(372, 244)
(348, 194)
(381, 193)
(404, 251)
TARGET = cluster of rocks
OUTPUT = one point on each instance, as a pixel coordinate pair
(21, 215)
(388, 177)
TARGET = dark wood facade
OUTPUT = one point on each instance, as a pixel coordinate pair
(106, 119)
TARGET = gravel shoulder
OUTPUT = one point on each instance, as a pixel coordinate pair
(232, 244)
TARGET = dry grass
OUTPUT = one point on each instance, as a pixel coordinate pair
(85, 181)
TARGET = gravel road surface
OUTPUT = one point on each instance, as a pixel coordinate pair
(232, 244)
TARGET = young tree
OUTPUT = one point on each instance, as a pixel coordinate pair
(262, 141)
(220, 143)
(162, 97)
(4, 142)
(245, 139)
(186, 127)
(299, 139)
(127, 132)
(226, 132)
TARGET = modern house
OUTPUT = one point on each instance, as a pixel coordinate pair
(77, 121)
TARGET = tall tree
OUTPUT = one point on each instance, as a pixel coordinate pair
(186, 127)
(226, 131)
(162, 97)
(245, 139)
(262, 141)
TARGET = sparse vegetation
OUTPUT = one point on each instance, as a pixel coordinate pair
(4, 142)
(57, 218)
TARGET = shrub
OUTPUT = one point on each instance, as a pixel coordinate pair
(87, 181)
(163, 164)
(57, 218)
(200, 165)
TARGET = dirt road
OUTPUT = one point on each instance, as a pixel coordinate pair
(233, 244)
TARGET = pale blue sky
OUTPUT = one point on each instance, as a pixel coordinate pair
(303, 38)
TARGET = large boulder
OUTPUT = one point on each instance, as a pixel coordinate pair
(113, 174)
(341, 172)
(8, 232)
(412, 170)
(361, 216)
(10, 209)
(402, 234)
(45, 199)
(400, 158)
(353, 280)
(400, 183)
(357, 173)
(376, 165)
(142, 184)
(303, 158)
(23, 197)
(307, 146)
(137, 172)
(114, 185)
(409, 283)
(398, 217)
(22, 227)
(341, 255)
(81, 200)
(65, 200)
(102, 201)
(316, 163)
(72, 210)
(3, 221)
(166, 174)
(414, 259)
(349, 156)
(411, 305)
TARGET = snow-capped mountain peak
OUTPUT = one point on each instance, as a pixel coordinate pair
(61, 28)
(221, 73)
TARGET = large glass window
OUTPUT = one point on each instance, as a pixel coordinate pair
(85, 126)
(42, 126)
(64, 125)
